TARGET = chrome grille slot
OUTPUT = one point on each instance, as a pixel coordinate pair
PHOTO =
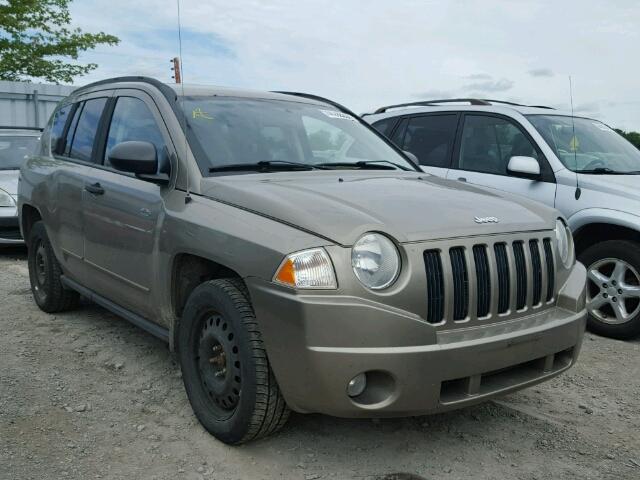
(483, 280)
(504, 290)
(489, 279)
(536, 269)
(460, 283)
(551, 271)
(521, 275)
(435, 286)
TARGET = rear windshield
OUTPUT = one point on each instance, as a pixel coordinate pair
(587, 146)
(227, 131)
(14, 149)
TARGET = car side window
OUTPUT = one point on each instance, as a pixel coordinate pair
(488, 143)
(57, 127)
(85, 130)
(133, 121)
(385, 126)
(66, 146)
(431, 139)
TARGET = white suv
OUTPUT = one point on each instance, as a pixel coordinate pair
(578, 165)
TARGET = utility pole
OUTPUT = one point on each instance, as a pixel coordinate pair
(176, 69)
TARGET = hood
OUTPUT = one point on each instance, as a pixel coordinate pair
(341, 206)
(625, 186)
(9, 181)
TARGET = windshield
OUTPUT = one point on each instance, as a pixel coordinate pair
(227, 134)
(14, 149)
(595, 148)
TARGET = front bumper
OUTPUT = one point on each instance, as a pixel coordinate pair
(9, 227)
(317, 343)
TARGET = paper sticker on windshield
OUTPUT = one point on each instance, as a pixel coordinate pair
(336, 114)
(198, 113)
(602, 127)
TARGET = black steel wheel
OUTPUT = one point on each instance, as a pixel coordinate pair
(45, 274)
(225, 368)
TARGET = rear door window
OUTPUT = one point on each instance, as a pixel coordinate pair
(86, 129)
(431, 139)
(57, 127)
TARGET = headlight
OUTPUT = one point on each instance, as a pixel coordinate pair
(375, 261)
(565, 244)
(307, 269)
(6, 200)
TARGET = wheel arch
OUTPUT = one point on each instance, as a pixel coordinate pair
(28, 216)
(596, 225)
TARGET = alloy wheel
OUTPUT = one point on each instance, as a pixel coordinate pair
(613, 291)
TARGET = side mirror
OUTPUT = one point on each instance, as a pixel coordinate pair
(135, 157)
(526, 167)
(412, 157)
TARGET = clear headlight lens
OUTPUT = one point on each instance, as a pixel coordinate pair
(6, 200)
(565, 244)
(375, 261)
(307, 269)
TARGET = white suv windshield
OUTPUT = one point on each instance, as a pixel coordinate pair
(239, 134)
(14, 149)
(593, 148)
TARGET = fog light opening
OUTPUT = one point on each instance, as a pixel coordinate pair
(357, 385)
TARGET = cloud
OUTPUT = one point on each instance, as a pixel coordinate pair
(433, 94)
(541, 72)
(478, 76)
(490, 86)
(364, 54)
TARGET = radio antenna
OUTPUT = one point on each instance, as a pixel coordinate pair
(575, 142)
(187, 198)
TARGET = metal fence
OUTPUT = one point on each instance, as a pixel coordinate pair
(24, 104)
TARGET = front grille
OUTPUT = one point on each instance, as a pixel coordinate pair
(551, 271)
(480, 281)
(435, 286)
(536, 271)
(521, 275)
(483, 279)
(460, 283)
(502, 264)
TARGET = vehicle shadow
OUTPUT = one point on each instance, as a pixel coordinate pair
(18, 252)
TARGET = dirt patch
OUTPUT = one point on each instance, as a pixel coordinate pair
(86, 395)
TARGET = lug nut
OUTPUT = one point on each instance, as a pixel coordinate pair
(605, 295)
(620, 291)
(604, 285)
(615, 299)
(614, 283)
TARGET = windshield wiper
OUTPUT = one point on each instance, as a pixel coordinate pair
(263, 166)
(606, 171)
(365, 164)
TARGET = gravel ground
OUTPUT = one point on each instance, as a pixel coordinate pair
(86, 395)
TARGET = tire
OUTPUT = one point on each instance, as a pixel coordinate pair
(45, 274)
(601, 261)
(225, 369)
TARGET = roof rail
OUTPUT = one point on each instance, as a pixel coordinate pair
(427, 103)
(471, 101)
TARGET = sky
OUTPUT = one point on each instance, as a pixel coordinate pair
(365, 54)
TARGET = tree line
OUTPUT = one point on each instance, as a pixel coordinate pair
(633, 137)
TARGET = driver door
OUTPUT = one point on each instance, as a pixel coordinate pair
(484, 148)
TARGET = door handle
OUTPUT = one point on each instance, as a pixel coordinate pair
(462, 179)
(94, 189)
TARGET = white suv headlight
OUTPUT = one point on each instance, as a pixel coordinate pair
(310, 269)
(375, 261)
(565, 244)
(6, 200)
